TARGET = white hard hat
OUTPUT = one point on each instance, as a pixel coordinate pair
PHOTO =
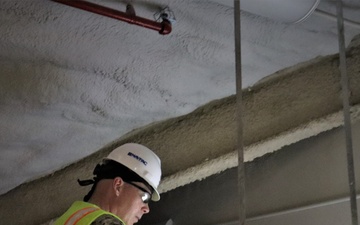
(142, 161)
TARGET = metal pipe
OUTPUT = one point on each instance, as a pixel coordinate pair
(163, 27)
(346, 111)
(239, 112)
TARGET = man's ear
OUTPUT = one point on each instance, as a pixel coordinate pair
(118, 183)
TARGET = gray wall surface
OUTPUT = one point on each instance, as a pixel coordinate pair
(301, 184)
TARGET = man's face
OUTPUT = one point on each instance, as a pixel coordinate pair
(130, 204)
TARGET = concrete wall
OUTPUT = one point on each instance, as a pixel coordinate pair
(304, 183)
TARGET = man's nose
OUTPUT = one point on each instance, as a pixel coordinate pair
(146, 208)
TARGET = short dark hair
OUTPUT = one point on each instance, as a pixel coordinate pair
(110, 169)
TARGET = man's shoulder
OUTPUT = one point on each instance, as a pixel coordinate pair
(107, 219)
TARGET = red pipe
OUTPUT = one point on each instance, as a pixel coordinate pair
(164, 27)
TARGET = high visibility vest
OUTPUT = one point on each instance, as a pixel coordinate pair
(82, 213)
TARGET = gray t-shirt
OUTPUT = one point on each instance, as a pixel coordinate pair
(107, 220)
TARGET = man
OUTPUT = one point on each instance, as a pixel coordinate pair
(123, 185)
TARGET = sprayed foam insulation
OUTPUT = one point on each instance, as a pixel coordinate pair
(288, 106)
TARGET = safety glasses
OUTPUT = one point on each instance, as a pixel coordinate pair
(146, 196)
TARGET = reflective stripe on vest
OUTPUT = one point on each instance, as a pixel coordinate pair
(82, 213)
(78, 215)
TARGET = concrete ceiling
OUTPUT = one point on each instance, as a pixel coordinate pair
(73, 82)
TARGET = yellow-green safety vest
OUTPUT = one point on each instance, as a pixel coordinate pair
(82, 213)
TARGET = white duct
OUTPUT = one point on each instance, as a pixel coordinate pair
(288, 11)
